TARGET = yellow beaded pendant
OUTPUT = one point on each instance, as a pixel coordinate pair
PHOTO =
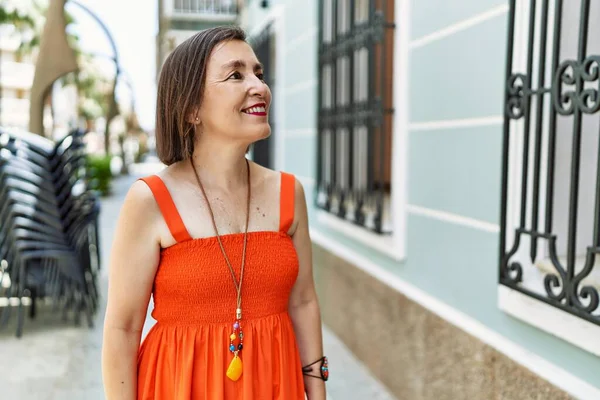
(235, 368)
(234, 371)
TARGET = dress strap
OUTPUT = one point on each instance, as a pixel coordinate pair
(287, 201)
(167, 208)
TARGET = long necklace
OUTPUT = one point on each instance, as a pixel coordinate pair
(234, 371)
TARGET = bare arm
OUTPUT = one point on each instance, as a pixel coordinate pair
(133, 262)
(304, 306)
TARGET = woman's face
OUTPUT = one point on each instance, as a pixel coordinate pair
(236, 98)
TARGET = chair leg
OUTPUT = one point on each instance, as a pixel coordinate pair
(5, 311)
(89, 311)
(77, 302)
(10, 293)
(5, 315)
(32, 308)
(21, 313)
(67, 303)
(20, 319)
(56, 285)
(93, 293)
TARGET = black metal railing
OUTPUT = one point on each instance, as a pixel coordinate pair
(218, 7)
(550, 108)
(354, 109)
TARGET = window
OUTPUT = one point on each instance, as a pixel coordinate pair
(550, 221)
(355, 111)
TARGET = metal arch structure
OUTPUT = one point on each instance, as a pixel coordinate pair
(112, 107)
(56, 58)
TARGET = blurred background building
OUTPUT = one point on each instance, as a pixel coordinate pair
(78, 99)
(16, 77)
(180, 19)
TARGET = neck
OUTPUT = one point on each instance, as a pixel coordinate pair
(220, 165)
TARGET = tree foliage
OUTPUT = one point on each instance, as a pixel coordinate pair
(11, 14)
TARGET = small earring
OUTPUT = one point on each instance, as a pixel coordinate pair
(196, 119)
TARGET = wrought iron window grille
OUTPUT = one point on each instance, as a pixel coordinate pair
(354, 110)
(553, 105)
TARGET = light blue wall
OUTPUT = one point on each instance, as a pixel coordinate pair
(451, 170)
(429, 16)
(300, 107)
(460, 76)
(456, 171)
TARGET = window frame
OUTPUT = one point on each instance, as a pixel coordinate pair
(392, 244)
(557, 316)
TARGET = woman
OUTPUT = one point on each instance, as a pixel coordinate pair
(221, 243)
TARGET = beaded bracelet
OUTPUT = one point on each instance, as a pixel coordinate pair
(324, 369)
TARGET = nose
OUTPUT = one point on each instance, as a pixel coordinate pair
(257, 87)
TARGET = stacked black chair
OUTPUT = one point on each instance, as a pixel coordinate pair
(48, 226)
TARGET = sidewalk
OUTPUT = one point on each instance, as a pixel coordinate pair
(58, 361)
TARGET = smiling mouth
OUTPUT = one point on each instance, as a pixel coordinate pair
(259, 110)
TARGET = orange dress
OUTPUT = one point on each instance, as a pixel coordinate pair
(186, 353)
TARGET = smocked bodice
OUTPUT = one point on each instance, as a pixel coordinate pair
(194, 285)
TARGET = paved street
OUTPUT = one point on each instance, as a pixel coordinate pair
(59, 361)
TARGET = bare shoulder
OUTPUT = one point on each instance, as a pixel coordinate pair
(140, 195)
(140, 208)
(299, 193)
(173, 173)
(265, 177)
(272, 178)
(300, 206)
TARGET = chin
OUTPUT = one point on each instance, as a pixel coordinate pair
(261, 133)
(250, 134)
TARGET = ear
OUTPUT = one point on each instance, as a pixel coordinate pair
(194, 117)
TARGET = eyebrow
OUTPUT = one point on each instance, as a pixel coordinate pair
(235, 64)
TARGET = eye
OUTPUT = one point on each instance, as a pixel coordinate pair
(261, 76)
(235, 75)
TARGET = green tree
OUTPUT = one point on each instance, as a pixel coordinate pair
(12, 15)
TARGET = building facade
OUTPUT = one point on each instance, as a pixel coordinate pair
(180, 19)
(16, 78)
(449, 154)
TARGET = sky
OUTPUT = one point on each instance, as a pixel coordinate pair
(134, 26)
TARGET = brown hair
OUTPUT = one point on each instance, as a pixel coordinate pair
(180, 89)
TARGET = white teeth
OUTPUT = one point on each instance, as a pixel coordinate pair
(255, 110)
